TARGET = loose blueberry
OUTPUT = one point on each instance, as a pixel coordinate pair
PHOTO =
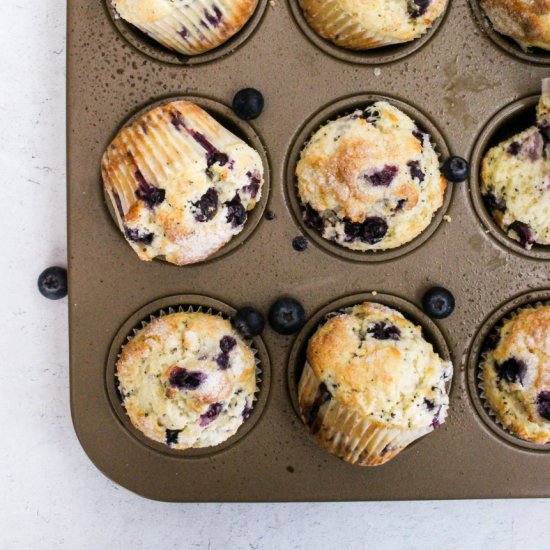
(249, 322)
(456, 169)
(182, 379)
(543, 404)
(382, 331)
(52, 283)
(172, 436)
(287, 316)
(210, 415)
(248, 104)
(512, 370)
(438, 302)
(299, 243)
(270, 215)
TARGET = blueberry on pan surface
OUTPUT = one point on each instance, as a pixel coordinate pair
(287, 316)
(248, 103)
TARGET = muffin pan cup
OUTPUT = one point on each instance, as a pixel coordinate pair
(158, 309)
(458, 80)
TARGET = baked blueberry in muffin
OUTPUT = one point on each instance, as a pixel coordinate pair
(526, 21)
(371, 384)
(370, 180)
(515, 374)
(187, 380)
(515, 182)
(189, 27)
(367, 24)
(181, 185)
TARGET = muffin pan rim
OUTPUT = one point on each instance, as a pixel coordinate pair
(160, 54)
(392, 53)
(473, 354)
(248, 134)
(480, 147)
(337, 108)
(154, 309)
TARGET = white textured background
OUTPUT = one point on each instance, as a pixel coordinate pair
(51, 496)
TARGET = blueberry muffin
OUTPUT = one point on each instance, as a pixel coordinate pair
(371, 384)
(515, 374)
(189, 27)
(526, 21)
(367, 24)
(515, 182)
(180, 183)
(370, 180)
(187, 380)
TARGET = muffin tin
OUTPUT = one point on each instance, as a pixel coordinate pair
(458, 83)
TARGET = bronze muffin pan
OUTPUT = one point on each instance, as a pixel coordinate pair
(462, 85)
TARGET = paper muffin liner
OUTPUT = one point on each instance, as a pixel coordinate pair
(139, 168)
(335, 25)
(189, 309)
(493, 415)
(151, 150)
(198, 26)
(348, 435)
